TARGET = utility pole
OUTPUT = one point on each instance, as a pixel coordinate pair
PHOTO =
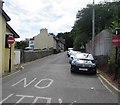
(93, 29)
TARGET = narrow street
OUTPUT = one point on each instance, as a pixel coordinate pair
(49, 80)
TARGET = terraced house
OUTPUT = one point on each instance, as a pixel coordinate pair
(5, 31)
(45, 40)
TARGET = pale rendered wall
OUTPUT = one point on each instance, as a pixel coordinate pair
(4, 52)
(7, 56)
(43, 40)
(50, 41)
(0, 56)
(0, 44)
(2, 41)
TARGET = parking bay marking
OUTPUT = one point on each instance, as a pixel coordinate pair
(36, 85)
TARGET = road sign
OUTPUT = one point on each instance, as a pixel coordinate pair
(10, 40)
(116, 40)
(82, 46)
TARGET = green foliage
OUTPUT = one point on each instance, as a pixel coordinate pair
(114, 24)
(21, 44)
(111, 60)
(107, 16)
(79, 39)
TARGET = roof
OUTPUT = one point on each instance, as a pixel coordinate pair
(59, 39)
(7, 18)
(15, 35)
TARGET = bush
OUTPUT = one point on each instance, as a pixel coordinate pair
(111, 59)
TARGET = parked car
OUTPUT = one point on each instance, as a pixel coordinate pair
(72, 55)
(69, 51)
(83, 62)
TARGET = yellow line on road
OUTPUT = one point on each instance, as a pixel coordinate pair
(109, 83)
(104, 84)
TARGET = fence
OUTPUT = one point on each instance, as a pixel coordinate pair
(17, 57)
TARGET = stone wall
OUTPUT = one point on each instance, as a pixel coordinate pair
(27, 55)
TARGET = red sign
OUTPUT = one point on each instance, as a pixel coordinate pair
(116, 40)
(10, 40)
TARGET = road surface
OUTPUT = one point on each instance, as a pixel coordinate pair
(49, 80)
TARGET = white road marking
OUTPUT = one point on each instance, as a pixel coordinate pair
(109, 83)
(46, 98)
(6, 98)
(73, 103)
(47, 79)
(104, 85)
(25, 82)
(60, 101)
(22, 97)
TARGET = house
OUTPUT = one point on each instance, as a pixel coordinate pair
(31, 43)
(44, 40)
(5, 31)
(60, 44)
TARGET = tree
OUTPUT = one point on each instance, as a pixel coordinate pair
(68, 39)
(106, 16)
(21, 44)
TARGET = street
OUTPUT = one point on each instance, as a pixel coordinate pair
(49, 80)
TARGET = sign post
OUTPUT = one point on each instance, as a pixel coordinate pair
(116, 43)
(10, 41)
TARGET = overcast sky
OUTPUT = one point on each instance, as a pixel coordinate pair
(29, 16)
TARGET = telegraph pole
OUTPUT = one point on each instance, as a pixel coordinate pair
(93, 29)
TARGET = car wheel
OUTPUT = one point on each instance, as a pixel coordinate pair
(95, 72)
(71, 69)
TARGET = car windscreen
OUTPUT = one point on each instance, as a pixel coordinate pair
(84, 56)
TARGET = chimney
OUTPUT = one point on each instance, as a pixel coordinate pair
(1, 4)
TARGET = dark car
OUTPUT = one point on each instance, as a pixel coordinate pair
(83, 62)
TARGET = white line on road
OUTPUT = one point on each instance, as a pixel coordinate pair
(60, 101)
(25, 82)
(6, 98)
(22, 97)
(45, 98)
(47, 79)
(104, 84)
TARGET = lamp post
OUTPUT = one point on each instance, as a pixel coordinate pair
(93, 29)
